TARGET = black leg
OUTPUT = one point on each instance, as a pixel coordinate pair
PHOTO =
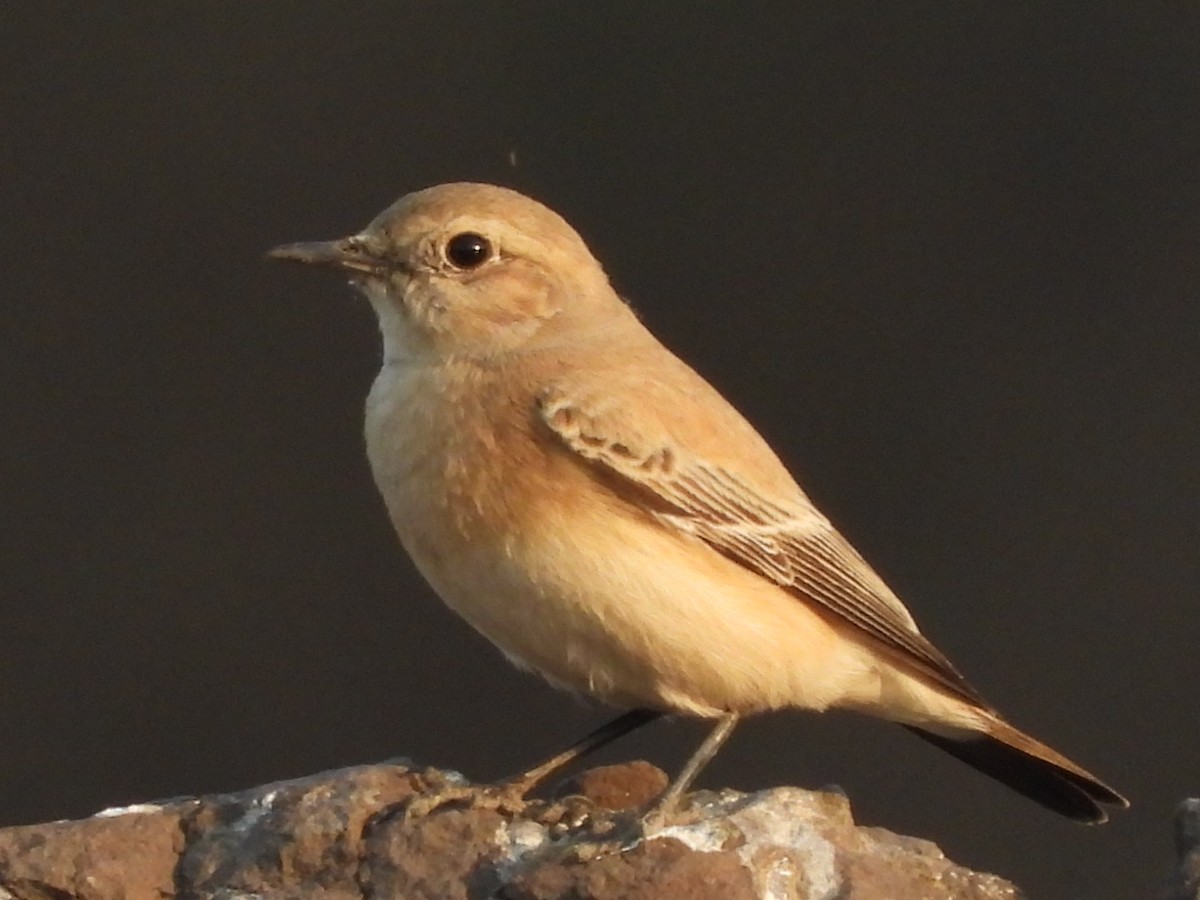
(605, 734)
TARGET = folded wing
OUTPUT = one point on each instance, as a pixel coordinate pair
(784, 539)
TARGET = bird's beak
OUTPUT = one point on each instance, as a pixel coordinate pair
(349, 254)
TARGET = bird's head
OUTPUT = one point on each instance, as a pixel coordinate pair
(468, 269)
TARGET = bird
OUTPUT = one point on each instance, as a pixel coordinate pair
(592, 506)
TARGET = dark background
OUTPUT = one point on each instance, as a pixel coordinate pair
(946, 257)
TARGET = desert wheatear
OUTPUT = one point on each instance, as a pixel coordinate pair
(601, 514)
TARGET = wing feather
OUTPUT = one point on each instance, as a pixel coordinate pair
(789, 543)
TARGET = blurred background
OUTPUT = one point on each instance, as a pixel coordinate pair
(945, 257)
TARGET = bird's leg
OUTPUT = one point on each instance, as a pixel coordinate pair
(605, 734)
(509, 795)
(638, 829)
(669, 799)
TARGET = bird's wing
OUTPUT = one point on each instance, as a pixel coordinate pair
(784, 538)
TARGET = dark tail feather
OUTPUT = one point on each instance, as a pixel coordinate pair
(1031, 768)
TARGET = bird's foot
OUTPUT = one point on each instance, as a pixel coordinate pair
(441, 792)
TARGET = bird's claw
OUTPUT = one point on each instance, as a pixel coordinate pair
(505, 799)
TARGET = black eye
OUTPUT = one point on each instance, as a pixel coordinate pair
(468, 250)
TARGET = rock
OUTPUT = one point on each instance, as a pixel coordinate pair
(1185, 884)
(617, 787)
(344, 834)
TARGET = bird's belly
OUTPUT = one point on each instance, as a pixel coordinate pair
(626, 611)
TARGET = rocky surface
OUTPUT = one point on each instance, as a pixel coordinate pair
(345, 834)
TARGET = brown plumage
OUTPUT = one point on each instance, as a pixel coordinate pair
(598, 511)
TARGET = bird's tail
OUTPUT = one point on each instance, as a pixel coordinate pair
(1031, 768)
